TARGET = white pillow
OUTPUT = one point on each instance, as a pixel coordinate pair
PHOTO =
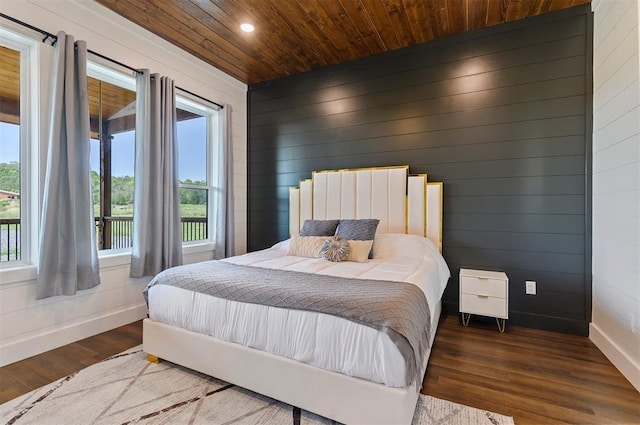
(382, 245)
(359, 251)
(306, 246)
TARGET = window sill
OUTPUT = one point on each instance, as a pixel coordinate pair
(17, 274)
(114, 258)
(106, 259)
(197, 247)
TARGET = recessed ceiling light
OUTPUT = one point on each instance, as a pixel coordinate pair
(247, 27)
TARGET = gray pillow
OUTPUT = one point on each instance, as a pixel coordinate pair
(335, 249)
(319, 227)
(359, 230)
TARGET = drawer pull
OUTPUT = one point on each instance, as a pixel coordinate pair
(483, 278)
(483, 296)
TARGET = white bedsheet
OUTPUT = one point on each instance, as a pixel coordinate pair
(321, 340)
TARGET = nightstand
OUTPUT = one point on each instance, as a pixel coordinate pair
(485, 293)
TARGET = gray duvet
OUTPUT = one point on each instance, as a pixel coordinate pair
(396, 308)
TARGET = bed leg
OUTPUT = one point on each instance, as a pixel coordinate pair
(153, 359)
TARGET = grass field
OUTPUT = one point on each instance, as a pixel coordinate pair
(186, 210)
(12, 210)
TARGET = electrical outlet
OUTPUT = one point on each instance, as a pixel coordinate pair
(530, 287)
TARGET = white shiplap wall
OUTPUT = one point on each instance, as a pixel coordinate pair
(27, 326)
(615, 326)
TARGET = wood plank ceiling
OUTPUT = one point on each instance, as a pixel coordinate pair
(295, 36)
(113, 98)
(9, 86)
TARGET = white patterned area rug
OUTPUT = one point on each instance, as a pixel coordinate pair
(126, 389)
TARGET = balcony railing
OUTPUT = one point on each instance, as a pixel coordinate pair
(116, 232)
(9, 239)
(111, 233)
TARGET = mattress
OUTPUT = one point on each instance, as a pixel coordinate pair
(321, 340)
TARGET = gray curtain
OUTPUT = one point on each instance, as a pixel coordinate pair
(223, 193)
(68, 259)
(157, 240)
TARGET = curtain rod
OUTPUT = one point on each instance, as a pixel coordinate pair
(101, 56)
(137, 71)
(200, 97)
(47, 35)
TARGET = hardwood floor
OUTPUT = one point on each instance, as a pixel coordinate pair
(535, 376)
(26, 375)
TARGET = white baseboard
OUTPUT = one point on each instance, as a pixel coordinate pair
(625, 364)
(22, 349)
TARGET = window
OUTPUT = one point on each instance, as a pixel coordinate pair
(16, 55)
(112, 96)
(196, 129)
(112, 100)
(10, 155)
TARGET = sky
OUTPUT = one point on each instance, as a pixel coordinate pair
(9, 142)
(191, 140)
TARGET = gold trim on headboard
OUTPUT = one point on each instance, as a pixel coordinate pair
(383, 167)
(406, 206)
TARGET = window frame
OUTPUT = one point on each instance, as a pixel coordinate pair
(29, 148)
(194, 106)
(104, 71)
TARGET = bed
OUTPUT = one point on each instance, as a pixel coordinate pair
(323, 363)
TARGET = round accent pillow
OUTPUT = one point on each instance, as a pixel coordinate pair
(335, 249)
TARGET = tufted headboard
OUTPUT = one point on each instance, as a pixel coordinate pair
(403, 203)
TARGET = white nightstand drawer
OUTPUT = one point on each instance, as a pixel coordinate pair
(483, 305)
(483, 286)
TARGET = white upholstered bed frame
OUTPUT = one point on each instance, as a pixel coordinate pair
(404, 204)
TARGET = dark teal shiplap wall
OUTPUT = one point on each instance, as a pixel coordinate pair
(502, 116)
